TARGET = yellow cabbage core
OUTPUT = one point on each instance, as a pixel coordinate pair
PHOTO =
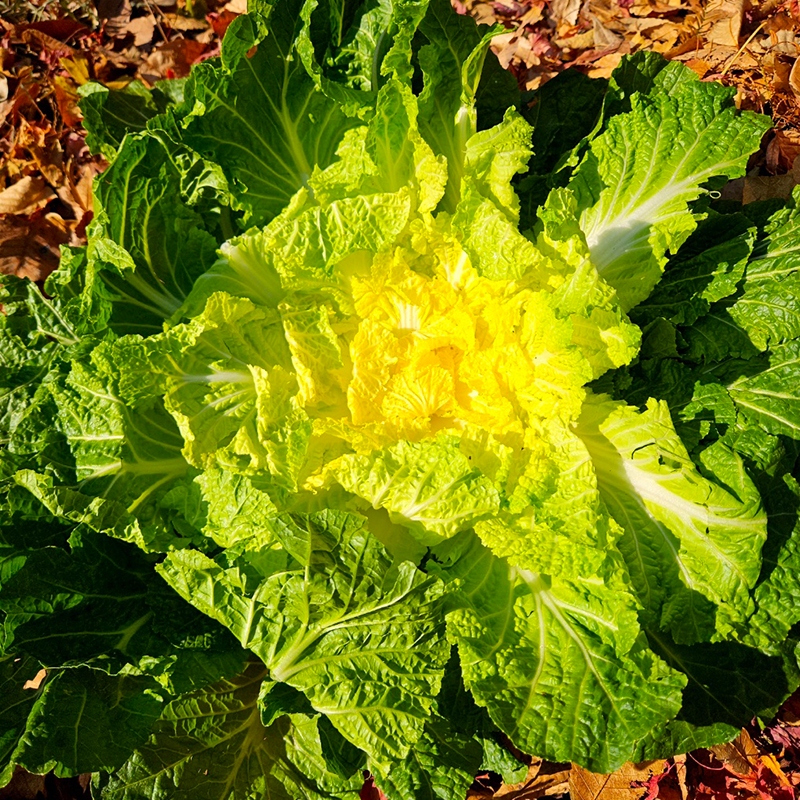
(433, 345)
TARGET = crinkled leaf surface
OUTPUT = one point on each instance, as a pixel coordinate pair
(332, 617)
(635, 184)
(87, 720)
(211, 745)
(702, 537)
(260, 116)
(559, 663)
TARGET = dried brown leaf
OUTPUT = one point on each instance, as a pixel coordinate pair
(785, 42)
(565, 11)
(30, 248)
(24, 786)
(220, 21)
(725, 17)
(28, 89)
(67, 99)
(50, 49)
(624, 784)
(77, 189)
(171, 59)
(27, 195)
(768, 187)
(142, 29)
(179, 22)
(604, 39)
(580, 41)
(544, 779)
(116, 14)
(740, 755)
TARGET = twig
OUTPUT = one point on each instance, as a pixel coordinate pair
(741, 49)
(156, 20)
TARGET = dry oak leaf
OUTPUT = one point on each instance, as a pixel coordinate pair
(27, 195)
(624, 784)
(726, 18)
(30, 248)
(782, 150)
(740, 755)
(171, 59)
(143, 29)
(544, 779)
(768, 187)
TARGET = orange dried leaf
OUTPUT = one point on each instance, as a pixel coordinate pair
(171, 59)
(77, 66)
(27, 195)
(220, 21)
(700, 67)
(772, 765)
(624, 784)
(67, 99)
(740, 755)
(30, 249)
(544, 778)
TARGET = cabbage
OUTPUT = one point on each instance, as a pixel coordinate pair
(389, 411)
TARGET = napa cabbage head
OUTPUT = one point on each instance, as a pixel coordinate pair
(370, 371)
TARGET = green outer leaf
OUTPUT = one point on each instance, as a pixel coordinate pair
(260, 116)
(559, 664)
(110, 114)
(15, 705)
(86, 720)
(210, 745)
(767, 309)
(706, 269)
(685, 535)
(63, 607)
(728, 684)
(635, 184)
(771, 397)
(777, 595)
(440, 766)
(362, 639)
(147, 245)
